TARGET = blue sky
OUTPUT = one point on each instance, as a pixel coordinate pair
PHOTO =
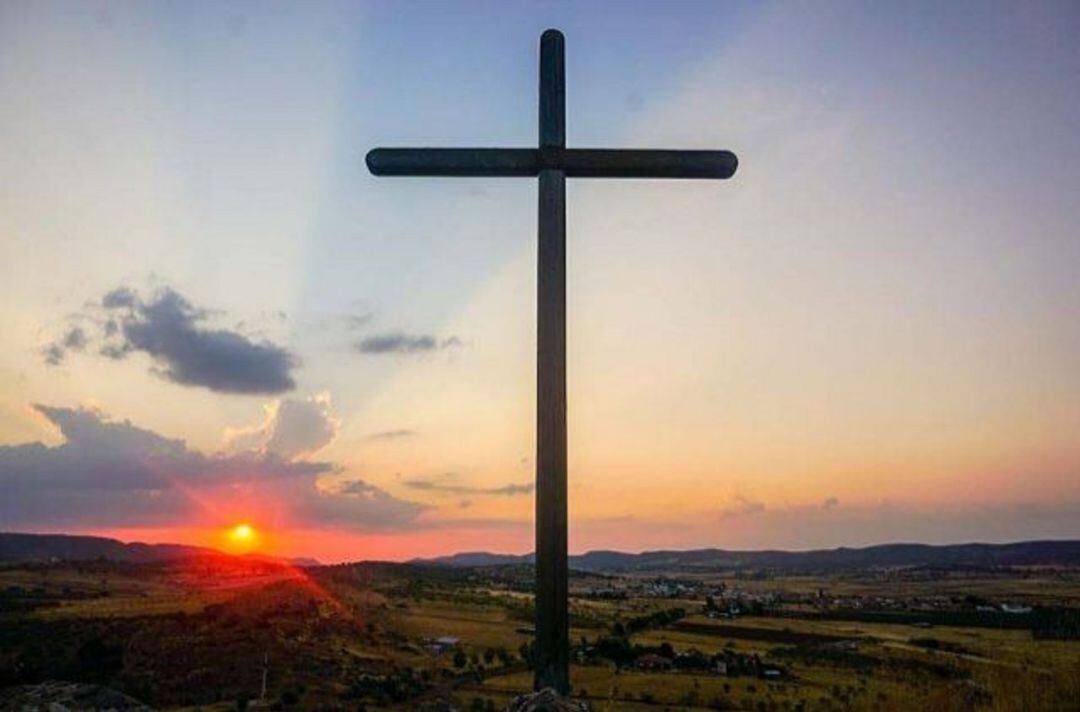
(880, 309)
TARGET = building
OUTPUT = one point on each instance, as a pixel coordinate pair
(441, 645)
(653, 662)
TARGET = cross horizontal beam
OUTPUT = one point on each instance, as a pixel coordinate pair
(552, 163)
(575, 162)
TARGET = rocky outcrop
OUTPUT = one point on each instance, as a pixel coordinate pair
(67, 697)
(547, 700)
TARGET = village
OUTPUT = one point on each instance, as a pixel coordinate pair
(723, 600)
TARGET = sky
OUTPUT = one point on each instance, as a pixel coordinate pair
(211, 313)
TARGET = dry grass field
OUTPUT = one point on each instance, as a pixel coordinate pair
(360, 638)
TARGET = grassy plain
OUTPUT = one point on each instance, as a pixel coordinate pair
(359, 637)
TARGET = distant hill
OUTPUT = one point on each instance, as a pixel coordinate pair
(1026, 553)
(45, 547)
(66, 547)
(478, 558)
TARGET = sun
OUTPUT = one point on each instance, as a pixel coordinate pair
(242, 536)
(243, 532)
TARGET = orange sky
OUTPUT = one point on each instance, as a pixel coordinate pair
(211, 313)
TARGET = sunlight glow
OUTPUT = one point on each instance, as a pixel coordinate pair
(242, 536)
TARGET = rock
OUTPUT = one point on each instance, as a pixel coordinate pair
(55, 696)
(438, 704)
(547, 700)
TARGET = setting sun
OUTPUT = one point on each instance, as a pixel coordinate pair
(242, 536)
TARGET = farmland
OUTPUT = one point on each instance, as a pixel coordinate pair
(206, 633)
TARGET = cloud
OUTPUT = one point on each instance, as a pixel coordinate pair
(392, 434)
(358, 321)
(432, 486)
(830, 503)
(359, 504)
(74, 340)
(292, 427)
(741, 506)
(53, 354)
(301, 426)
(119, 298)
(173, 332)
(167, 328)
(398, 343)
(114, 474)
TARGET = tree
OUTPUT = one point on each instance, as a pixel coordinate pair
(98, 661)
(460, 659)
(689, 699)
(528, 652)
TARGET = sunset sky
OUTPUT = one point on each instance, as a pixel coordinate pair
(212, 314)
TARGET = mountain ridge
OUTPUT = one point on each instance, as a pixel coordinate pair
(16, 546)
(23, 547)
(1049, 552)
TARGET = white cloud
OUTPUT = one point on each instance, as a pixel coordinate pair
(292, 427)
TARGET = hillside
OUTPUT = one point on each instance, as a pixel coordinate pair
(43, 547)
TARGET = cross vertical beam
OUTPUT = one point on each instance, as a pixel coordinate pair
(552, 618)
(553, 163)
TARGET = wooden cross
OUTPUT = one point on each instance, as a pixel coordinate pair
(553, 162)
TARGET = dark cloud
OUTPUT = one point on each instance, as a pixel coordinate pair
(167, 328)
(392, 434)
(398, 343)
(120, 297)
(115, 474)
(74, 340)
(741, 506)
(442, 488)
(357, 488)
(511, 489)
(174, 333)
(359, 504)
(116, 352)
(53, 354)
